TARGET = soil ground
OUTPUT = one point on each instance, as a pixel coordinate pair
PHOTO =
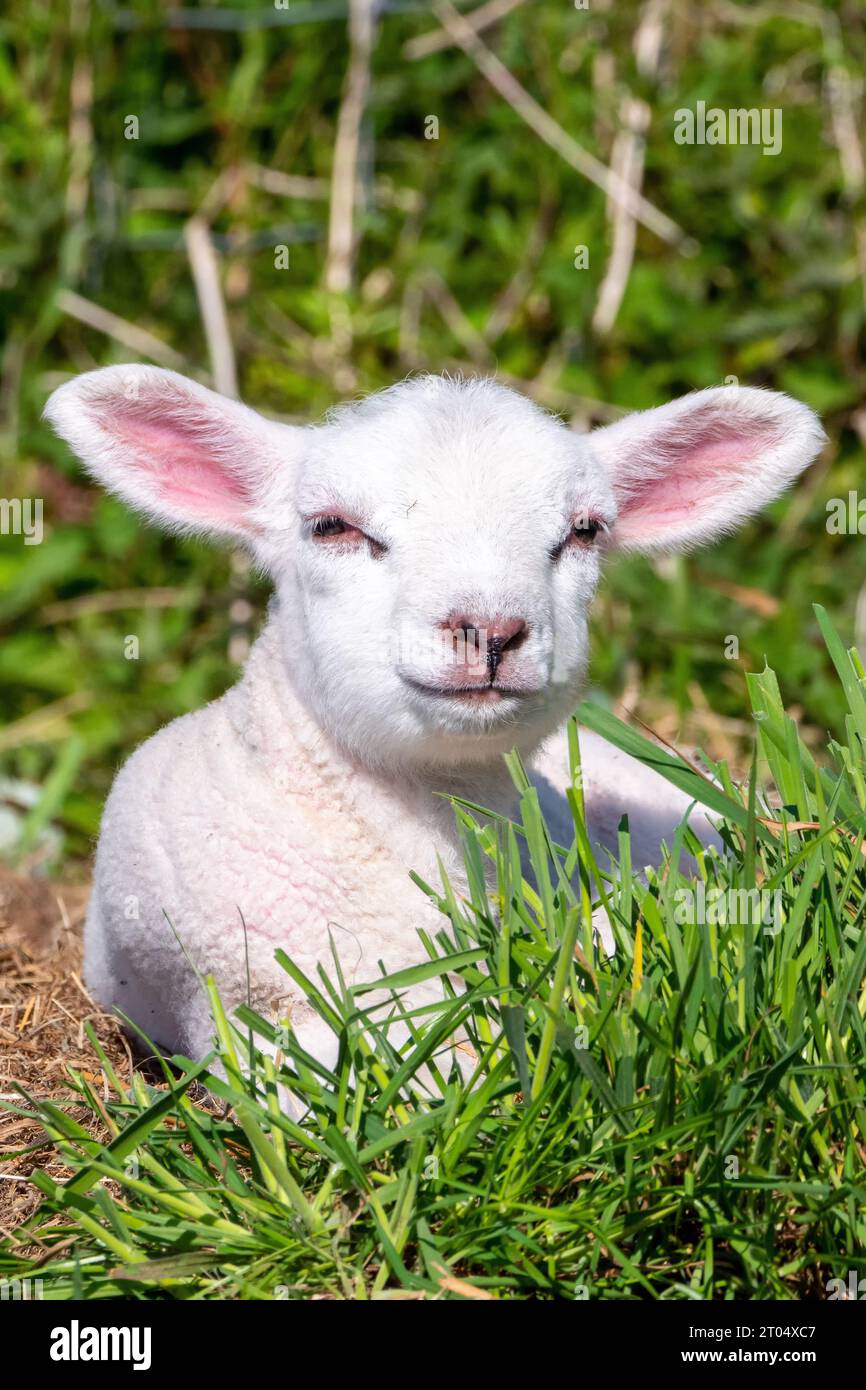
(43, 1008)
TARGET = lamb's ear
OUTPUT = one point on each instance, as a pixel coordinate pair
(691, 470)
(189, 458)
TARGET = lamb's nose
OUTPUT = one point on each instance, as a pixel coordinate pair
(485, 640)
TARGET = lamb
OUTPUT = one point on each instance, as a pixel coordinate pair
(434, 551)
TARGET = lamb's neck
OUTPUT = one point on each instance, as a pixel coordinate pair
(299, 755)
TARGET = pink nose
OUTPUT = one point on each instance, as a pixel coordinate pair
(484, 641)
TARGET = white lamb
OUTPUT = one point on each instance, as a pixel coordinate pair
(435, 550)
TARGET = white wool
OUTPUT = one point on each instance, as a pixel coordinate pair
(301, 800)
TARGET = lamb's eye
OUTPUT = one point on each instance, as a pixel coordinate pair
(324, 527)
(342, 535)
(586, 529)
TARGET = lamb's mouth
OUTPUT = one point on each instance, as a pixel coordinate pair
(468, 694)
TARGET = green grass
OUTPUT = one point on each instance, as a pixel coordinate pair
(685, 1119)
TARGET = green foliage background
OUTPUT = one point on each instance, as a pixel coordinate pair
(773, 294)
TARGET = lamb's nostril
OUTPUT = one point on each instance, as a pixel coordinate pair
(501, 637)
(483, 641)
(508, 633)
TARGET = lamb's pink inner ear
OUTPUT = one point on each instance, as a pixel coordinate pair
(688, 472)
(181, 460)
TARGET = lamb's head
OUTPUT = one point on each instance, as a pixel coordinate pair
(436, 547)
